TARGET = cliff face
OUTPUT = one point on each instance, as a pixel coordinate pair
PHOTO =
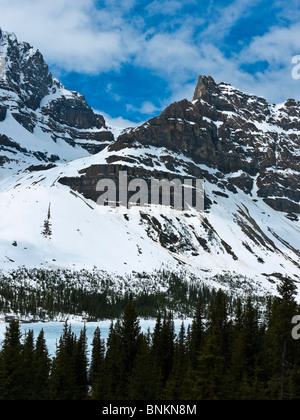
(33, 102)
(254, 145)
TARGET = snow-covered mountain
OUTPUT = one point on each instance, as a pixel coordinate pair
(54, 149)
(41, 121)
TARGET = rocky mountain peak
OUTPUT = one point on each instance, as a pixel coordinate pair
(212, 93)
(26, 73)
(253, 144)
(31, 97)
(206, 87)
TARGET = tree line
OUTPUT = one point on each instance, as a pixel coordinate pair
(46, 295)
(220, 356)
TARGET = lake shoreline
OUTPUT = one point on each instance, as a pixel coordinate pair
(54, 329)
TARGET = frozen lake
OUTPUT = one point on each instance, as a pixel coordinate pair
(53, 330)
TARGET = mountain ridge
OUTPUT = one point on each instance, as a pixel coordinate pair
(49, 122)
(246, 150)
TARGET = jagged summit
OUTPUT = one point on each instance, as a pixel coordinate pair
(8, 37)
(40, 120)
(206, 86)
(254, 144)
(26, 72)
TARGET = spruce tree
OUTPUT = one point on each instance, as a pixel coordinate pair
(175, 385)
(195, 340)
(41, 368)
(280, 348)
(210, 375)
(108, 385)
(163, 346)
(12, 380)
(97, 358)
(28, 366)
(210, 382)
(145, 380)
(196, 334)
(63, 383)
(238, 363)
(244, 373)
(156, 342)
(287, 290)
(130, 345)
(81, 366)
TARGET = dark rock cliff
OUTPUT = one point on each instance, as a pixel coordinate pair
(37, 100)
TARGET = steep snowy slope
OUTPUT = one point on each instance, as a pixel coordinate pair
(48, 225)
(54, 149)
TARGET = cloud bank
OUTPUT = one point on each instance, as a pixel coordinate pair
(248, 43)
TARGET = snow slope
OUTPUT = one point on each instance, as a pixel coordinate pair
(83, 236)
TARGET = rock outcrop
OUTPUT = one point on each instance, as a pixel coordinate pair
(253, 144)
(43, 106)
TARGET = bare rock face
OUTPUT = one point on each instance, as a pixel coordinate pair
(3, 111)
(26, 72)
(39, 102)
(253, 144)
(73, 112)
(204, 87)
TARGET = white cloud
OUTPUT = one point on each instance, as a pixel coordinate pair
(117, 125)
(227, 17)
(75, 35)
(146, 108)
(166, 7)
(72, 34)
(169, 54)
(277, 46)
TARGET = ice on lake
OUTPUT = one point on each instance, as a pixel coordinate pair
(53, 330)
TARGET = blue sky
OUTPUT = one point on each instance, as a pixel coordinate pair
(132, 58)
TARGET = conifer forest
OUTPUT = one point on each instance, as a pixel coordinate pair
(224, 354)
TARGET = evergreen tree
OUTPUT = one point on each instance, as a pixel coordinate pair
(212, 361)
(41, 368)
(287, 290)
(210, 375)
(238, 362)
(163, 345)
(97, 358)
(195, 340)
(130, 346)
(108, 385)
(81, 366)
(218, 323)
(28, 366)
(145, 380)
(244, 370)
(123, 347)
(156, 342)
(197, 334)
(175, 384)
(63, 384)
(280, 348)
(12, 379)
